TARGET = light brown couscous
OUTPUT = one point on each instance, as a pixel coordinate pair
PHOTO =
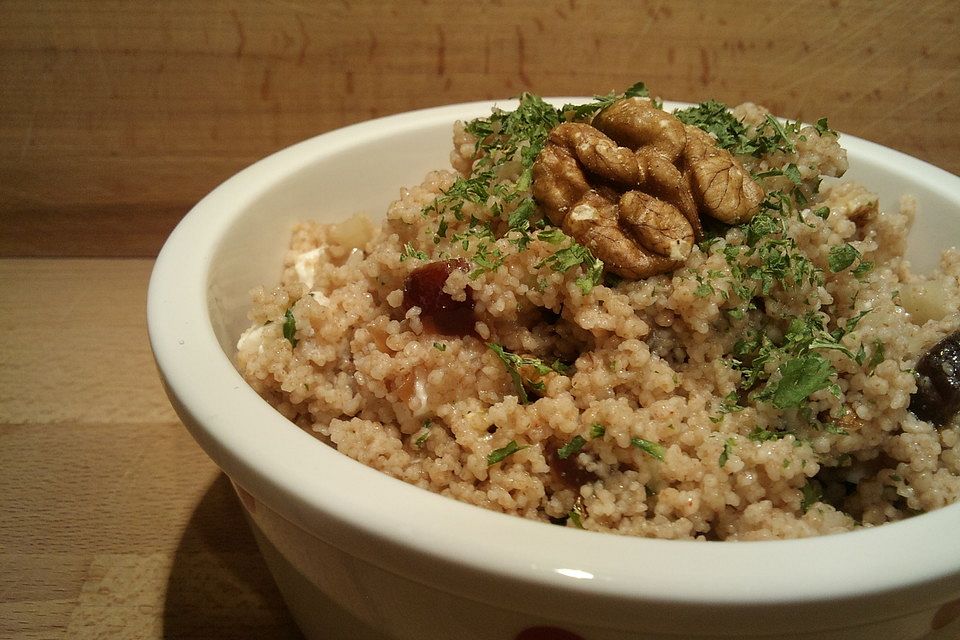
(663, 407)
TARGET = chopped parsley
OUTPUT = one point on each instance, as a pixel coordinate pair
(440, 346)
(832, 427)
(729, 404)
(654, 449)
(493, 207)
(801, 369)
(773, 136)
(290, 328)
(573, 255)
(727, 450)
(508, 136)
(731, 134)
(572, 447)
(799, 377)
(769, 259)
(498, 455)
(713, 117)
(423, 434)
(823, 128)
(791, 172)
(495, 215)
(759, 434)
(812, 493)
(878, 356)
(409, 252)
(597, 430)
(564, 259)
(704, 288)
(513, 364)
(862, 269)
(576, 516)
(584, 111)
(842, 256)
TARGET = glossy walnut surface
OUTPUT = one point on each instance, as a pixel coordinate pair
(116, 117)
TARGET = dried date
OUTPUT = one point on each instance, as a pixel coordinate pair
(439, 312)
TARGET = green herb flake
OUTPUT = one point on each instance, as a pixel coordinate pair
(800, 377)
(440, 346)
(597, 430)
(855, 320)
(730, 403)
(512, 362)
(703, 290)
(832, 427)
(498, 455)
(715, 118)
(727, 450)
(822, 212)
(409, 252)
(599, 103)
(793, 174)
(654, 449)
(877, 356)
(572, 447)
(576, 517)
(842, 256)
(862, 269)
(592, 276)
(778, 140)
(574, 255)
(290, 327)
(802, 370)
(812, 493)
(823, 128)
(552, 235)
(423, 435)
(759, 434)
(502, 139)
(441, 231)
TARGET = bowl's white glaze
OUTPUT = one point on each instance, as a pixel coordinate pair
(399, 557)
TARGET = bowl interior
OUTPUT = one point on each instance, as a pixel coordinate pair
(329, 180)
(332, 177)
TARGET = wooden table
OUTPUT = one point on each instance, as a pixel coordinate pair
(115, 117)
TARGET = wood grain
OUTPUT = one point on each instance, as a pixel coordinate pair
(74, 343)
(115, 524)
(117, 116)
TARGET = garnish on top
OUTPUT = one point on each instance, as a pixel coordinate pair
(620, 187)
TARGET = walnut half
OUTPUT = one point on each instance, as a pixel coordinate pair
(631, 186)
(591, 188)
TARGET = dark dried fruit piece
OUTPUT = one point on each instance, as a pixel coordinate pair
(566, 472)
(440, 313)
(937, 399)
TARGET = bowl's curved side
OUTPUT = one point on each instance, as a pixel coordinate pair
(233, 239)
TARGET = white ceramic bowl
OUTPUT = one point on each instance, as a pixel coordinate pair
(413, 565)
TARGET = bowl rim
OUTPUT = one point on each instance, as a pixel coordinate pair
(290, 472)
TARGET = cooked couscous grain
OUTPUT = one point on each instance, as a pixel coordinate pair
(761, 390)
